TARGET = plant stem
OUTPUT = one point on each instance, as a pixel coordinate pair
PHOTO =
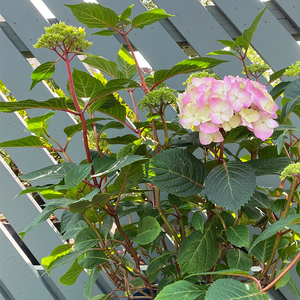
(291, 196)
(163, 120)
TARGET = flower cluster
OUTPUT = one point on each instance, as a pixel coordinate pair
(213, 107)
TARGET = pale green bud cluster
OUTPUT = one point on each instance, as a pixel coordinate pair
(257, 68)
(293, 70)
(158, 97)
(201, 74)
(59, 34)
(291, 170)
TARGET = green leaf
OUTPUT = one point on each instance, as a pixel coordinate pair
(222, 52)
(292, 90)
(106, 226)
(75, 176)
(158, 262)
(103, 164)
(238, 235)
(80, 206)
(103, 65)
(112, 125)
(182, 290)
(85, 239)
(88, 287)
(137, 282)
(149, 17)
(42, 72)
(293, 287)
(118, 111)
(277, 75)
(284, 280)
(73, 230)
(275, 227)
(94, 15)
(262, 251)
(197, 221)
(119, 164)
(281, 141)
(36, 188)
(298, 268)
(28, 141)
(227, 43)
(68, 219)
(259, 200)
(122, 140)
(269, 165)
(288, 108)
(101, 297)
(187, 66)
(70, 277)
(199, 251)
(229, 272)
(230, 185)
(278, 89)
(245, 39)
(126, 13)
(39, 124)
(54, 103)
(106, 32)
(126, 63)
(93, 259)
(233, 289)
(178, 172)
(239, 260)
(148, 231)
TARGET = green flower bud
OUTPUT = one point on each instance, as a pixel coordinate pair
(293, 70)
(257, 68)
(291, 170)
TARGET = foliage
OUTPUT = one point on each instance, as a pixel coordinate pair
(188, 204)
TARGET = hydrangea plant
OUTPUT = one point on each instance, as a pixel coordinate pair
(189, 199)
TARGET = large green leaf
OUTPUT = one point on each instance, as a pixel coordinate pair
(28, 141)
(42, 72)
(85, 239)
(259, 200)
(288, 108)
(269, 165)
(54, 103)
(284, 280)
(199, 251)
(68, 219)
(245, 39)
(94, 15)
(88, 287)
(148, 231)
(230, 289)
(158, 262)
(277, 75)
(39, 124)
(293, 287)
(182, 290)
(70, 277)
(187, 66)
(126, 63)
(122, 140)
(278, 89)
(103, 65)
(230, 185)
(73, 230)
(52, 172)
(178, 172)
(76, 175)
(197, 221)
(238, 259)
(149, 17)
(238, 235)
(229, 272)
(93, 259)
(292, 90)
(275, 227)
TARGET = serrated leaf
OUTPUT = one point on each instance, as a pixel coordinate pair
(239, 260)
(278, 89)
(238, 235)
(233, 289)
(149, 17)
(73, 230)
(103, 164)
(42, 72)
(245, 39)
(126, 63)
(227, 43)
(275, 227)
(39, 124)
(259, 200)
(75, 176)
(182, 290)
(54, 103)
(85, 239)
(118, 111)
(199, 251)
(262, 251)
(292, 90)
(122, 140)
(70, 277)
(93, 259)
(94, 15)
(120, 163)
(186, 66)
(197, 221)
(269, 165)
(88, 287)
(277, 75)
(293, 287)
(68, 219)
(230, 186)
(28, 141)
(148, 231)
(158, 262)
(178, 172)
(288, 107)
(222, 52)
(126, 13)
(103, 65)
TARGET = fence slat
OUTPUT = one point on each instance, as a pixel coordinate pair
(291, 9)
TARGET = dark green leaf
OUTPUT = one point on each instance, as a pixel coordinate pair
(149, 17)
(148, 231)
(230, 272)
(42, 72)
(293, 287)
(74, 229)
(85, 239)
(262, 251)
(230, 186)
(158, 262)
(199, 251)
(88, 287)
(126, 63)
(298, 268)
(276, 75)
(197, 221)
(75, 176)
(94, 15)
(122, 140)
(70, 277)
(28, 141)
(289, 106)
(178, 172)
(259, 200)
(269, 165)
(80, 206)
(292, 90)
(93, 259)
(233, 289)
(68, 219)
(106, 226)
(284, 280)
(278, 89)
(239, 260)
(239, 236)
(281, 141)
(112, 125)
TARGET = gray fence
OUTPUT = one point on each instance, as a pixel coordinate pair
(194, 29)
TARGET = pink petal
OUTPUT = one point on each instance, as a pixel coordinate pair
(209, 127)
